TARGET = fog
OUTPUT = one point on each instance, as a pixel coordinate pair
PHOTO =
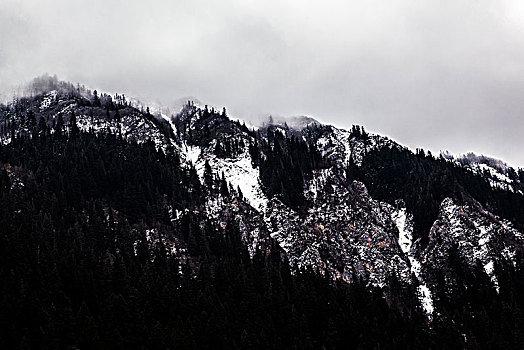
(442, 75)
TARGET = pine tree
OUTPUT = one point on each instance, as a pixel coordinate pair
(59, 126)
(208, 176)
(72, 124)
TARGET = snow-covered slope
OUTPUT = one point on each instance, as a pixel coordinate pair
(473, 235)
(499, 174)
(342, 146)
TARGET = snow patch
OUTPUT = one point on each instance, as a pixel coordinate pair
(48, 99)
(425, 298)
(490, 271)
(405, 241)
(192, 153)
(494, 173)
(239, 172)
(405, 238)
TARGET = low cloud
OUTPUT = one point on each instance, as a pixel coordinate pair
(438, 75)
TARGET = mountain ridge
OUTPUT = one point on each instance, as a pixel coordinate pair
(351, 206)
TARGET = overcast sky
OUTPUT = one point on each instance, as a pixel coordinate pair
(445, 74)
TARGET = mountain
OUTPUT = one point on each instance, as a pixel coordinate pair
(122, 228)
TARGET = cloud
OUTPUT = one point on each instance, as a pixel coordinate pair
(439, 75)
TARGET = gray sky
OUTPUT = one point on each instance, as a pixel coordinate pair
(445, 74)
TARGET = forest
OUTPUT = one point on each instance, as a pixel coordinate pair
(79, 269)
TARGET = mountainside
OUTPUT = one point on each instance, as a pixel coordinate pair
(128, 229)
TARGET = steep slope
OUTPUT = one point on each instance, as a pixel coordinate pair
(355, 208)
(478, 236)
(342, 231)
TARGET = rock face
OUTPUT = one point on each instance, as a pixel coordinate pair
(340, 230)
(345, 233)
(475, 235)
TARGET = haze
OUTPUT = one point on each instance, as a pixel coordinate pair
(442, 75)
